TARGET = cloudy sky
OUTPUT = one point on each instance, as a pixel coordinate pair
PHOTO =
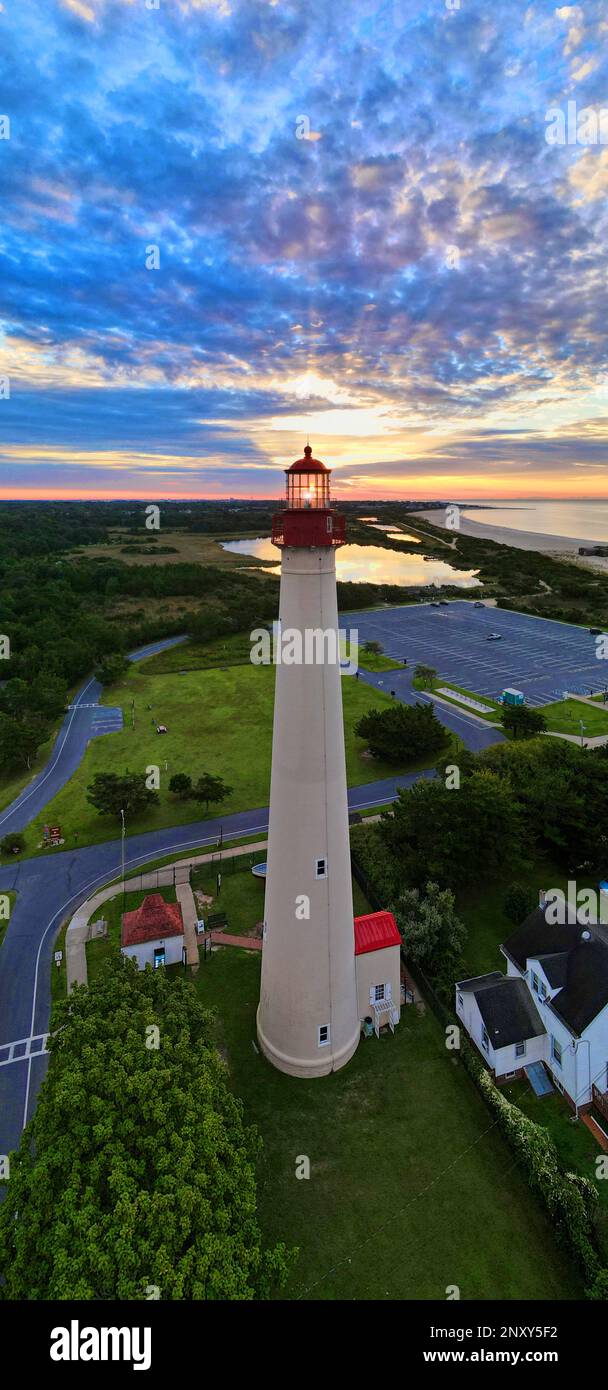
(361, 231)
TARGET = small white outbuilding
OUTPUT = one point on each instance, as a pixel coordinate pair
(154, 933)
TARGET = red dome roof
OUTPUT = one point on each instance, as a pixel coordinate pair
(308, 464)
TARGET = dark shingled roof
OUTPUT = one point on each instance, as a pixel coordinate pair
(508, 1011)
(574, 957)
(585, 992)
(479, 981)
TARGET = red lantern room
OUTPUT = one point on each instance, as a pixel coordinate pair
(308, 519)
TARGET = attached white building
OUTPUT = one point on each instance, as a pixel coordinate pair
(154, 933)
(378, 969)
(552, 1007)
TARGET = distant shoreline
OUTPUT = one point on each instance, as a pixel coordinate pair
(560, 547)
(506, 535)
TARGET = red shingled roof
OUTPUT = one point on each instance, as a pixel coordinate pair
(153, 921)
(374, 931)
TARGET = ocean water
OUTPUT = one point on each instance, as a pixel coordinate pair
(586, 521)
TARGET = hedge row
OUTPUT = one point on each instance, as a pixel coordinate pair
(569, 1198)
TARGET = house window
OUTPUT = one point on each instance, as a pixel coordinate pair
(321, 868)
(485, 1041)
(520, 1049)
(324, 1035)
(543, 990)
(535, 983)
(556, 1051)
(159, 956)
(379, 993)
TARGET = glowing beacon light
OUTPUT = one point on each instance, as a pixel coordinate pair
(308, 518)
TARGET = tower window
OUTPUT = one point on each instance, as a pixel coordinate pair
(321, 868)
(324, 1035)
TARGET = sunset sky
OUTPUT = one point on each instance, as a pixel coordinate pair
(363, 234)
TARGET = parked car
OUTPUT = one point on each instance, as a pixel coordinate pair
(434, 603)
(479, 605)
(494, 637)
(595, 631)
(443, 602)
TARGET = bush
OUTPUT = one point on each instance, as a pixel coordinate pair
(519, 902)
(13, 843)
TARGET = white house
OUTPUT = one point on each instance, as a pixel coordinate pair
(378, 968)
(154, 933)
(551, 1007)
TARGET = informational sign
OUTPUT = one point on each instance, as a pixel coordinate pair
(58, 957)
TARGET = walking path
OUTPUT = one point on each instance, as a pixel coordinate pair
(79, 930)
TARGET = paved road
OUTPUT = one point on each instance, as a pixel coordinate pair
(52, 886)
(84, 720)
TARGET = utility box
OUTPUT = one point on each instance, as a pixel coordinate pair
(513, 697)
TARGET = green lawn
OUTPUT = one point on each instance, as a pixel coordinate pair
(218, 721)
(565, 715)
(377, 661)
(196, 656)
(98, 951)
(411, 1186)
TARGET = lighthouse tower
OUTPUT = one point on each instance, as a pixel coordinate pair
(308, 1023)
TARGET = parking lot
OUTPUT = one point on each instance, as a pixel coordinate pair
(540, 657)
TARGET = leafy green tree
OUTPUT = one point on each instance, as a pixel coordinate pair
(112, 668)
(20, 739)
(181, 785)
(523, 722)
(137, 1168)
(373, 648)
(425, 674)
(433, 935)
(402, 732)
(210, 789)
(110, 793)
(453, 837)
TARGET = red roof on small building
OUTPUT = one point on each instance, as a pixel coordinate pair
(153, 921)
(374, 931)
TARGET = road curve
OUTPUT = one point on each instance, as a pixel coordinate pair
(52, 886)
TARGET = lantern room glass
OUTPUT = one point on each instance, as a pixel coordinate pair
(308, 491)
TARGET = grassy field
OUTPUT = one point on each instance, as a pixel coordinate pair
(411, 1187)
(187, 548)
(234, 650)
(575, 1144)
(565, 715)
(377, 661)
(218, 721)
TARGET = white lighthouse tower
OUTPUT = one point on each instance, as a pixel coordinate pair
(308, 1023)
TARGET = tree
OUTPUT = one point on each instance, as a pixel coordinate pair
(402, 732)
(520, 720)
(13, 843)
(112, 667)
(137, 1169)
(373, 648)
(424, 674)
(20, 739)
(453, 837)
(181, 785)
(433, 935)
(519, 901)
(111, 794)
(210, 788)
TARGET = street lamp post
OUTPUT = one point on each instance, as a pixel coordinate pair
(582, 729)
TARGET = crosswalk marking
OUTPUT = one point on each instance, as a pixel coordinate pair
(27, 1044)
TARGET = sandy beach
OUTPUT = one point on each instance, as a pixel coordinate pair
(560, 547)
